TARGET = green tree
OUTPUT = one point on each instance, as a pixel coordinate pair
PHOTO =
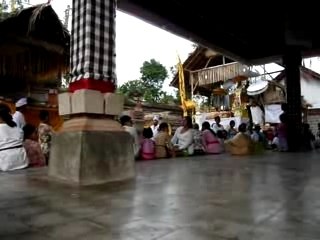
(132, 88)
(150, 84)
(167, 98)
(153, 74)
(177, 97)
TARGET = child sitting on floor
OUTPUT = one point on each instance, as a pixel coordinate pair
(147, 145)
(35, 156)
(163, 142)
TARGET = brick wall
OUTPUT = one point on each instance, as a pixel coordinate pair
(314, 119)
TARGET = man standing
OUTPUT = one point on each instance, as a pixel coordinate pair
(155, 126)
(257, 114)
(18, 116)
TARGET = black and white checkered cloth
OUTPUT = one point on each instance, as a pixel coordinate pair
(93, 40)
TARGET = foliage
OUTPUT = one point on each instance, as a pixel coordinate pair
(170, 99)
(167, 99)
(149, 86)
(131, 89)
(177, 97)
(153, 74)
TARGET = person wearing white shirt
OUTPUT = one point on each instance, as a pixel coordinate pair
(217, 126)
(12, 153)
(183, 138)
(155, 126)
(18, 116)
(257, 115)
(126, 122)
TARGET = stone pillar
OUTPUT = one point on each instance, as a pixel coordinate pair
(292, 62)
(92, 148)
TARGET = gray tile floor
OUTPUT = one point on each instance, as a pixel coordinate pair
(266, 197)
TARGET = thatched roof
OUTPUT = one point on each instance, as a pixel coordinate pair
(38, 25)
(34, 48)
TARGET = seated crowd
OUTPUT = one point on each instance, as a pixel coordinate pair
(188, 139)
(155, 142)
(23, 145)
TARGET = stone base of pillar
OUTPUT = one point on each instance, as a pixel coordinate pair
(91, 148)
(91, 157)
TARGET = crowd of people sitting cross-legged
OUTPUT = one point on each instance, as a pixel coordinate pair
(21, 144)
(188, 139)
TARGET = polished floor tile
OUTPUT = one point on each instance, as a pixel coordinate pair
(261, 197)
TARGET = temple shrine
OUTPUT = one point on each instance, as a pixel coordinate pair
(34, 56)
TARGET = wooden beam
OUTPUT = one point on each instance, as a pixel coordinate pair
(208, 62)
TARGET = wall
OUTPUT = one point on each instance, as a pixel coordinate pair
(314, 119)
(310, 88)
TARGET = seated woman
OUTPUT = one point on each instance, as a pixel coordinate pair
(240, 144)
(32, 147)
(210, 141)
(163, 143)
(183, 138)
(12, 154)
(232, 131)
(147, 151)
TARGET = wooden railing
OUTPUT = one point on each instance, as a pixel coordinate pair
(219, 73)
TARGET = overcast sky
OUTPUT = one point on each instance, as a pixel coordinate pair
(136, 42)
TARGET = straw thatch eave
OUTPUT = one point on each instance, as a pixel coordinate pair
(39, 23)
(34, 49)
(26, 42)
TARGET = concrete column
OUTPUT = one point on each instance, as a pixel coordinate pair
(292, 61)
(92, 148)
